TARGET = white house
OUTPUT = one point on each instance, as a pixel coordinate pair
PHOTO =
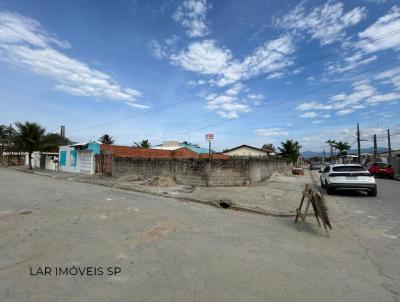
(245, 150)
(78, 158)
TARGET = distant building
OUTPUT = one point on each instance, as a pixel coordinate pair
(174, 145)
(245, 150)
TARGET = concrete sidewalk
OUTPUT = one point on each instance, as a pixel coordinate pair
(278, 196)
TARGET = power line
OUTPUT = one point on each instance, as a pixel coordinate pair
(289, 101)
(261, 76)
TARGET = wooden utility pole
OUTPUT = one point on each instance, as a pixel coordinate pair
(375, 148)
(389, 145)
(358, 143)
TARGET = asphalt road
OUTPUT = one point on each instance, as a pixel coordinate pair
(173, 251)
(376, 222)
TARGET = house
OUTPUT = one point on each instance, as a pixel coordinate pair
(43, 160)
(245, 150)
(78, 158)
(174, 145)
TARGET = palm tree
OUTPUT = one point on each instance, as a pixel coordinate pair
(29, 137)
(106, 139)
(290, 150)
(143, 144)
(343, 147)
(331, 143)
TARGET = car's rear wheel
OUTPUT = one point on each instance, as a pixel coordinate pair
(373, 193)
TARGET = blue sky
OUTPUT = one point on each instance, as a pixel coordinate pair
(251, 72)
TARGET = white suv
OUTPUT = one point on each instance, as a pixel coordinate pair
(347, 177)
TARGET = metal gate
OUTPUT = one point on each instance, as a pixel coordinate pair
(85, 162)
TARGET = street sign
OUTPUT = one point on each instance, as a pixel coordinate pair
(209, 137)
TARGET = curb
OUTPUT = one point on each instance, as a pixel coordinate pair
(215, 203)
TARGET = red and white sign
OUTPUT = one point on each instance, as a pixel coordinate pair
(209, 137)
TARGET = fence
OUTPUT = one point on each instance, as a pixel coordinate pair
(103, 163)
(200, 172)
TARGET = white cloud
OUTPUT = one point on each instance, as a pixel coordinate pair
(391, 76)
(271, 132)
(24, 43)
(205, 57)
(157, 50)
(326, 23)
(361, 91)
(387, 97)
(229, 104)
(255, 96)
(385, 25)
(381, 35)
(171, 41)
(192, 15)
(344, 111)
(310, 114)
(312, 106)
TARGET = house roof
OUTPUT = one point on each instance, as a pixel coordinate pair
(170, 148)
(247, 146)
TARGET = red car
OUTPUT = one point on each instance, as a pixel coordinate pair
(381, 169)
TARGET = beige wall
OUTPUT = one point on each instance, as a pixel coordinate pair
(245, 151)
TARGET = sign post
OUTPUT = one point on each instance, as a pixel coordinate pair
(209, 138)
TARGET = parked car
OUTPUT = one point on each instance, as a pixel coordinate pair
(315, 166)
(381, 169)
(348, 177)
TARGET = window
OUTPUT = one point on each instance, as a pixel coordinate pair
(349, 169)
(326, 170)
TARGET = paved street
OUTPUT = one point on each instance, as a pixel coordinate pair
(174, 251)
(375, 220)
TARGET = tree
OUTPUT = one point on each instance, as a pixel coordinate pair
(52, 141)
(3, 137)
(331, 143)
(343, 147)
(106, 139)
(29, 137)
(269, 147)
(290, 150)
(143, 144)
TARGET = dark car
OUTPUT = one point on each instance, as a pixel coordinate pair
(381, 169)
(315, 166)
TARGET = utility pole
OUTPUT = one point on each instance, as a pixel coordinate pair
(389, 145)
(375, 148)
(358, 143)
(62, 131)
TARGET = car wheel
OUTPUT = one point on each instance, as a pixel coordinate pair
(329, 190)
(322, 184)
(373, 193)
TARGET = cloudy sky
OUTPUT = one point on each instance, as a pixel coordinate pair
(251, 72)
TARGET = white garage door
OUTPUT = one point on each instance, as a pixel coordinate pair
(85, 162)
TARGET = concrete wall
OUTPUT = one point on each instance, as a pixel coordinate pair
(201, 172)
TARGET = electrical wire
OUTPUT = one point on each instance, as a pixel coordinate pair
(261, 76)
